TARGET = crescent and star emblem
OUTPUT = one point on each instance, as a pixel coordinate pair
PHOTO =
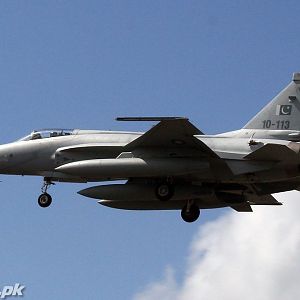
(283, 110)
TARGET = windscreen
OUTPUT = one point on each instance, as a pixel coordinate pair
(47, 133)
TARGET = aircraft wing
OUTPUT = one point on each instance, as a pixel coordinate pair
(172, 133)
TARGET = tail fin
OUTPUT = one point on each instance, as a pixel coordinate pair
(283, 112)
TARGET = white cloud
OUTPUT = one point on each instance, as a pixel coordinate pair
(240, 255)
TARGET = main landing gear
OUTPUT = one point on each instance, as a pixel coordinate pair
(189, 213)
(45, 199)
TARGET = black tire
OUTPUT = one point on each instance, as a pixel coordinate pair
(164, 191)
(44, 200)
(192, 215)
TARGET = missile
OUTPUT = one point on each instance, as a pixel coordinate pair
(134, 167)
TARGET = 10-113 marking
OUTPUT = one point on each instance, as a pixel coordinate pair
(277, 125)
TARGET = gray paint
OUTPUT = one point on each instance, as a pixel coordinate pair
(237, 169)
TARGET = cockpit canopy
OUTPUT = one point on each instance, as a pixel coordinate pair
(47, 133)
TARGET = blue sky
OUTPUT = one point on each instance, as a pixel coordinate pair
(80, 64)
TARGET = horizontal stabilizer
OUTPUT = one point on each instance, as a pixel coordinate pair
(273, 152)
(242, 207)
(262, 200)
(255, 200)
(239, 167)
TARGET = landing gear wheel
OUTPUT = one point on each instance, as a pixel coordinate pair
(164, 191)
(44, 200)
(190, 214)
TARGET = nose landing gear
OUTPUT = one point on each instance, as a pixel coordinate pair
(45, 199)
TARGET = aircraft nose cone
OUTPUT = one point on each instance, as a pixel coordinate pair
(13, 156)
(5, 158)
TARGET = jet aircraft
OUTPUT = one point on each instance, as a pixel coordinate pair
(174, 165)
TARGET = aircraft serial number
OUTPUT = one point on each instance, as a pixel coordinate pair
(277, 125)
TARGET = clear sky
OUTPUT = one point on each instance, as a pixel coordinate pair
(80, 64)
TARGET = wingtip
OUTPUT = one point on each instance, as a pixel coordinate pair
(149, 119)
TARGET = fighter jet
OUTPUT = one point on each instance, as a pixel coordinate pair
(174, 165)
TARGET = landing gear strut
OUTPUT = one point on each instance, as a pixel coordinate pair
(45, 199)
(190, 212)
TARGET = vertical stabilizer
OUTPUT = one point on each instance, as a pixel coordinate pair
(283, 112)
